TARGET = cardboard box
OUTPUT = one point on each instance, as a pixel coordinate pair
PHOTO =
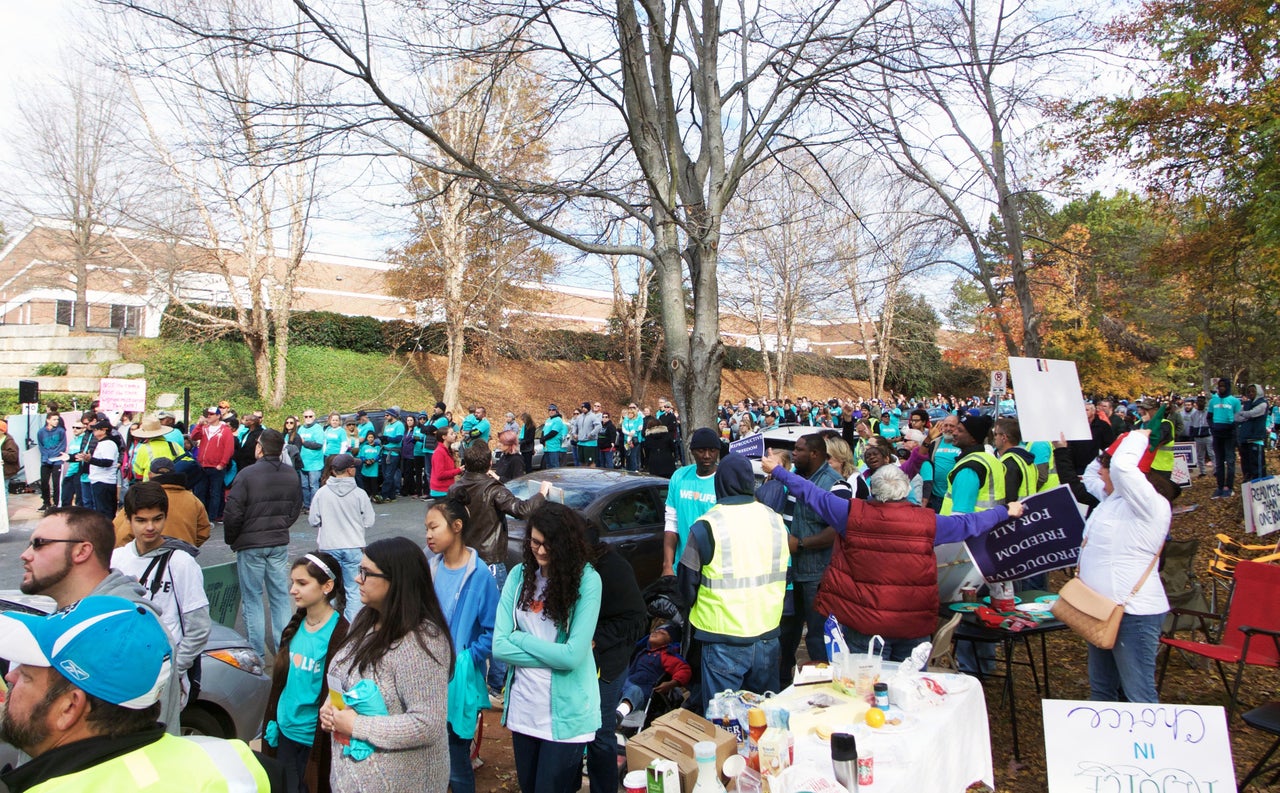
(671, 737)
(811, 707)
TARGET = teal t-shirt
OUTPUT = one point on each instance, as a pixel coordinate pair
(312, 459)
(554, 424)
(333, 438)
(298, 709)
(1222, 410)
(944, 459)
(369, 454)
(392, 434)
(690, 496)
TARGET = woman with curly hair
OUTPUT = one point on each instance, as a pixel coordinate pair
(543, 630)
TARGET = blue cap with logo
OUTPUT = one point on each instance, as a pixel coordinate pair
(107, 646)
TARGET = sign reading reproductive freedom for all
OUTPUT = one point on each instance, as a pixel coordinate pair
(118, 395)
(1046, 537)
(1122, 746)
(1261, 505)
(750, 446)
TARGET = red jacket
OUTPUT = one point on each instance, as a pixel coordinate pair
(883, 576)
(443, 470)
(216, 448)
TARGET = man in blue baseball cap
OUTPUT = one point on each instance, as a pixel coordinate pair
(84, 696)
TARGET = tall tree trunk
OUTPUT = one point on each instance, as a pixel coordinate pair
(81, 310)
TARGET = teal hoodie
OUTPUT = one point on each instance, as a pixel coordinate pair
(575, 692)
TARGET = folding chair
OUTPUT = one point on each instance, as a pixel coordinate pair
(943, 658)
(1267, 719)
(1177, 574)
(1251, 615)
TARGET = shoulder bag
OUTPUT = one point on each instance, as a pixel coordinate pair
(1094, 616)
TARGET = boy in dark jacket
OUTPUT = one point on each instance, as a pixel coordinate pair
(656, 656)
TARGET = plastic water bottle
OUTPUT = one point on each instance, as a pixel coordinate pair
(708, 779)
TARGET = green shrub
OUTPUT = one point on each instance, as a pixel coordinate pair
(51, 370)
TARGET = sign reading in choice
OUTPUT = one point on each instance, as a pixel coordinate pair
(1121, 746)
(1046, 537)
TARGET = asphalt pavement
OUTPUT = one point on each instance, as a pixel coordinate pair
(403, 517)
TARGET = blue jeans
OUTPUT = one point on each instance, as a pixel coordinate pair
(602, 752)
(746, 667)
(310, 484)
(1130, 666)
(391, 476)
(86, 494)
(497, 677)
(550, 459)
(1224, 456)
(256, 568)
(349, 558)
(606, 458)
(462, 777)
(211, 493)
(546, 766)
(894, 649)
(633, 458)
(804, 615)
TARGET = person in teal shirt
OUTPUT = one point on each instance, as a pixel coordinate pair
(363, 425)
(335, 437)
(370, 453)
(311, 436)
(633, 436)
(478, 429)
(392, 439)
(553, 432)
(298, 683)
(1223, 407)
(691, 492)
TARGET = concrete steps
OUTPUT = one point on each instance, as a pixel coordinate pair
(25, 348)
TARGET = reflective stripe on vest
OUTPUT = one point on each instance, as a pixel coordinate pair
(1029, 475)
(744, 582)
(995, 482)
(171, 764)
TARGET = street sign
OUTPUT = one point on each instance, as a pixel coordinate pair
(999, 383)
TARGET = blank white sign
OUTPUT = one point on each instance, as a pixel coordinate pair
(1049, 399)
(1118, 746)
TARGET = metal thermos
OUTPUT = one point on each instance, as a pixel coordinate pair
(844, 760)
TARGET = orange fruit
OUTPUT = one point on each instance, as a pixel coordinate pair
(875, 718)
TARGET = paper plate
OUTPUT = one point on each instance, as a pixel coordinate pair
(963, 607)
(1036, 608)
(1046, 598)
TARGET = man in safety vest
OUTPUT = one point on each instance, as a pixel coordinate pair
(734, 576)
(1162, 434)
(976, 483)
(1020, 475)
(83, 701)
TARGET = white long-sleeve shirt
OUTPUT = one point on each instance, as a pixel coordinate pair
(1125, 531)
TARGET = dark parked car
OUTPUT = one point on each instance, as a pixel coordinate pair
(628, 508)
(938, 414)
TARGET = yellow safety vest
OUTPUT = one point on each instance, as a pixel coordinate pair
(995, 482)
(744, 582)
(1030, 476)
(149, 450)
(197, 764)
(1163, 461)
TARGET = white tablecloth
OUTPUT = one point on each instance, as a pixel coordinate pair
(942, 749)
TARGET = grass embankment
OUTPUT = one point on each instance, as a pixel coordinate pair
(327, 379)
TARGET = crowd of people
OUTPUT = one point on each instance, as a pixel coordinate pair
(386, 653)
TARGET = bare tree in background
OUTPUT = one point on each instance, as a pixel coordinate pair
(467, 250)
(229, 127)
(676, 101)
(782, 260)
(76, 171)
(957, 112)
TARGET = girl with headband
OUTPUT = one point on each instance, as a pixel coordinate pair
(298, 682)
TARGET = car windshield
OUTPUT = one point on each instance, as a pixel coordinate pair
(574, 496)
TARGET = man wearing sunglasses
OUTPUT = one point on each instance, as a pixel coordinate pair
(69, 558)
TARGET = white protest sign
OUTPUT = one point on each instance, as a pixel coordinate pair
(1049, 400)
(1181, 474)
(1261, 505)
(999, 382)
(1114, 746)
(116, 395)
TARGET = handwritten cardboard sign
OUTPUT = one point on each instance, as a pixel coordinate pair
(1261, 505)
(1046, 537)
(116, 395)
(1097, 746)
(1049, 399)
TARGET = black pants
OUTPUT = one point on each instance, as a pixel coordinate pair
(50, 485)
(104, 498)
(411, 476)
(293, 756)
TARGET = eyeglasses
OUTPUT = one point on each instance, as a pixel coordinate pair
(363, 573)
(537, 545)
(77, 426)
(41, 542)
(606, 415)
(308, 415)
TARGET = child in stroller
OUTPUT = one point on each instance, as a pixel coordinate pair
(656, 668)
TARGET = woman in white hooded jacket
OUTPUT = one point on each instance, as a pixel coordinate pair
(342, 512)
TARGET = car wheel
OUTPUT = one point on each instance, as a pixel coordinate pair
(198, 721)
